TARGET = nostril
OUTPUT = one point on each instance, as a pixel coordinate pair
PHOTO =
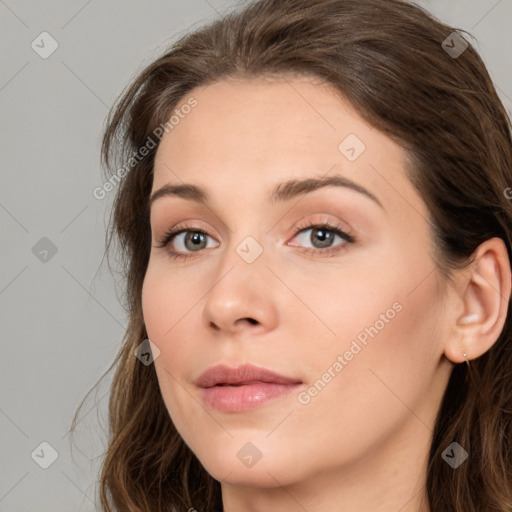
(252, 321)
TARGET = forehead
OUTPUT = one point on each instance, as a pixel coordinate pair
(263, 119)
(258, 132)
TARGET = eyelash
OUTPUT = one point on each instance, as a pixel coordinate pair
(334, 228)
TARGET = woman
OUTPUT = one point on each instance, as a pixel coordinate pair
(317, 235)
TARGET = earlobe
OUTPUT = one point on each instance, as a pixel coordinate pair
(456, 350)
(485, 295)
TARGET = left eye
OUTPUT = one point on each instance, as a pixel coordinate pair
(323, 237)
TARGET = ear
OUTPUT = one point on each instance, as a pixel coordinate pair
(483, 297)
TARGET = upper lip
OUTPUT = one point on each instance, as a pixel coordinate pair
(222, 374)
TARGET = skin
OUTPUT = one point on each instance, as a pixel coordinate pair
(361, 443)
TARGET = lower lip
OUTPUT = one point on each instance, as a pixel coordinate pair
(245, 397)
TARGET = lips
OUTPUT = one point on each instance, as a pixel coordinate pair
(243, 388)
(246, 374)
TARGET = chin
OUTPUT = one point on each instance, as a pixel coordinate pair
(233, 465)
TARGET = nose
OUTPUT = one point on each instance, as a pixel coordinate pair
(242, 298)
(248, 320)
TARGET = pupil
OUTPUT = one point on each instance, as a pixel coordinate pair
(195, 237)
(324, 235)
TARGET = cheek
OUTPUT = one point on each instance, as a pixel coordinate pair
(372, 394)
(154, 306)
(167, 299)
(390, 343)
(162, 314)
(169, 310)
(166, 319)
(360, 304)
(384, 337)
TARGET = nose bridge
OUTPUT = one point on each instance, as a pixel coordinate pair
(250, 249)
(250, 234)
(247, 240)
(241, 289)
(244, 260)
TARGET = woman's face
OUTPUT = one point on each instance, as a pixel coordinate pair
(354, 322)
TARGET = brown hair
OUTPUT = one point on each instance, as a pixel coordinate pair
(386, 57)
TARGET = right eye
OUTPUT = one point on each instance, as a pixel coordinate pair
(184, 238)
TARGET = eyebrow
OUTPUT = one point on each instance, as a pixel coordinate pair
(282, 192)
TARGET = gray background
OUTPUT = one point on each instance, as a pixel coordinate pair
(61, 319)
